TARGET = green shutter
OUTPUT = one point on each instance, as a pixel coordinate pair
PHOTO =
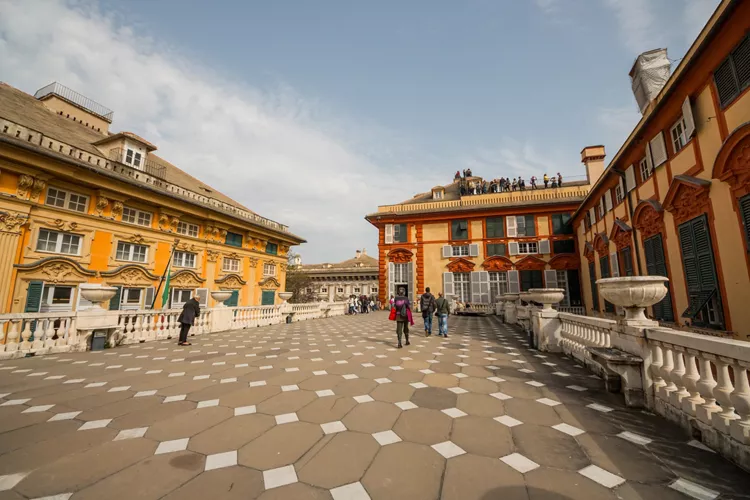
(594, 290)
(530, 226)
(495, 227)
(604, 266)
(745, 213)
(627, 261)
(268, 298)
(33, 300)
(232, 300)
(114, 302)
(689, 258)
(656, 265)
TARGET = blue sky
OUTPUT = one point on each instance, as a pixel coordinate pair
(313, 113)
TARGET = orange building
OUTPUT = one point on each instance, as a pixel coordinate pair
(675, 199)
(82, 206)
(477, 246)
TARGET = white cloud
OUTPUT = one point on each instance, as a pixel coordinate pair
(636, 21)
(277, 152)
(548, 6)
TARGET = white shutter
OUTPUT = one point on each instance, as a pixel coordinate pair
(202, 294)
(447, 251)
(389, 233)
(484, 286)
(448, 284)
(687, 114)
(615, 265)
(622, 187)
(608, 201)
(592, 215)
(513, 282)
(411, 281)
(658, 150)
(476, 288)
(391, 282)
(149, 298)
(630, 178)
(513, 248)
(601, 208)
(510, 226)
(544, 247)
(474, 250)
(550, 278)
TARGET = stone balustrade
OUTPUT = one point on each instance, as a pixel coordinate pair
(579, 332)
(36, 334)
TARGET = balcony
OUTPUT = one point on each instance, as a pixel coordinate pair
(146, 166)
(74, 97)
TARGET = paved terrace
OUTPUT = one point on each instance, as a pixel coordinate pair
(329, 409)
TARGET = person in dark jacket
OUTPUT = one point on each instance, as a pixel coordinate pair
(427, 306)
(402, 305)
(190, 312)
(442, 311)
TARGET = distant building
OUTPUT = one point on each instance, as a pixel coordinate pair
(356, 276)
(81, 205)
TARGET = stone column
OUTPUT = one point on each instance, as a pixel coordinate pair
(10, 233)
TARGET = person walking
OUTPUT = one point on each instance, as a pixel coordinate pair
(427, 306)
(401, 313)
(442, 310)
(546, 180)
(533, 182)
(190, 312)
(559, 179)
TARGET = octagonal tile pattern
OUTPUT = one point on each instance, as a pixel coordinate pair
(310, 410)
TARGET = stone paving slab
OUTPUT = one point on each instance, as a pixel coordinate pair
(330, 409)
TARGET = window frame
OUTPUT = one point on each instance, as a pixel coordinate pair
(458, 250)
(269, 269)
(489, 253)
(555, 252)
(233, 268)
(67, 199)
(619, 196)
(462, 287)
(456, 228)
(131, 252)
(525, 226)
(233, 237)
(137, 214)
(563, 224)
(188, 229)
(397, 230)
(272, 248)
(681, 140)
(739, 87)
(498, 286)
(644, 170)
(182, 261)
(528, 244)
(59, 242)
(493, 222)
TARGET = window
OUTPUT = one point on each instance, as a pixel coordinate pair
(562, 282)
(744, 204)
(64, 199)
(55, 242)
(531, 279)
(357, 289)
(495, 227)
(594, 289)
(679, 138)
(561, 224)
(495, 249)
(459, 230)
(269, 269)
(460, 250)
(564, 246)
(587, 221)
(374, 289)
(399, 233)
(234, 239)
(135, 216)
(462, 286)
(57, 298)
(184, 259)
(324, 289)
(133, 158)
(131, 252)
(618, 194)
(339, 290)
(401, 273)
(656, 266)
(733, 75)
(498, 284)
(180, 296)
(272, 248)
(605, 272)
(131, 298)
(525, 225)
(704, 304)
(187, 229)
(645, 171)
(231, 265)
(527, 247)
(627, 262)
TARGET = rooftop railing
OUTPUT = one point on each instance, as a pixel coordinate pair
(76, 98)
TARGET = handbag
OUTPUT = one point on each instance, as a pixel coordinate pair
(392, 315)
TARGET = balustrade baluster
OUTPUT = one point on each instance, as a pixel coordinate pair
(678, 372)
(691, 378)
(723, 393)
(666, 371)
(72, 332)
(139, 334)
(13, 337)
(657, 361)
(740, 428)
(706, 386)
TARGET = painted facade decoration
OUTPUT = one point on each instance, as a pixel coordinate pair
(82, 205)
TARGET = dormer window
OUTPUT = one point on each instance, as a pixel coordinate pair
(133, 158)
(438, 193)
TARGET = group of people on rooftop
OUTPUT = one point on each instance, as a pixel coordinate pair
(468, 185)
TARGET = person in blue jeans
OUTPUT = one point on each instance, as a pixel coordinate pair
(442, 310)
(427, 306)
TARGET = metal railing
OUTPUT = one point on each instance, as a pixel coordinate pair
(150, 167)
(76, 98)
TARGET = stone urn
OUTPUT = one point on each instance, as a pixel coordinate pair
(634, 293)
(98, 295)
(510, 297)
(220, 296)
(526, 297)
(285, 296)
(547, 296)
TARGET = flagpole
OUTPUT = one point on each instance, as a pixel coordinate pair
(163, 276)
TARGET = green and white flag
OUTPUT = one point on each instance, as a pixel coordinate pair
(165, 294)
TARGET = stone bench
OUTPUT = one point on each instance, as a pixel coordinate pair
(621, 373)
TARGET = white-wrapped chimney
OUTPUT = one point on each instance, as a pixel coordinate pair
(649, 74)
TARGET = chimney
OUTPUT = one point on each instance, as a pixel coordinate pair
(358, 254)
(648, 75)
(593, 158)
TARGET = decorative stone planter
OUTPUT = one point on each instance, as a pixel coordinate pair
(634, 293)
(285, 296)
(547, 296)
(98, 295)
(220, 296)
(525, 296)
(510, 297)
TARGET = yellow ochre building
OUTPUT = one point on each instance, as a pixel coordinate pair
(83, 206)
